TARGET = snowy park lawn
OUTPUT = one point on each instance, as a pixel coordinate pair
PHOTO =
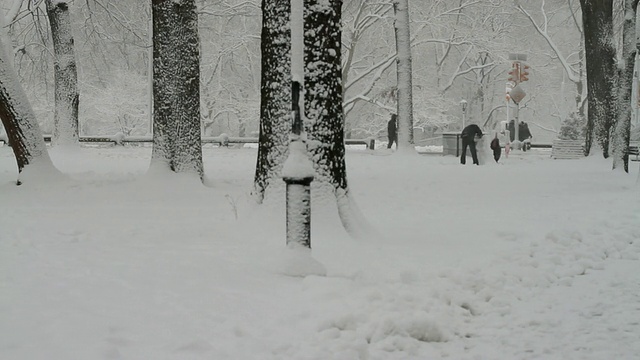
(533, 258)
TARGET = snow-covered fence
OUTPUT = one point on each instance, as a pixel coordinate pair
(567, 149)
(222, 140)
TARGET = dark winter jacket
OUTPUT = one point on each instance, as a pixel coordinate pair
(392, 127)
(523, 131)
(495, 144)
(471, 131)
(512, 130)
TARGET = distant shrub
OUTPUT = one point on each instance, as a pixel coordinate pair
(573, 127)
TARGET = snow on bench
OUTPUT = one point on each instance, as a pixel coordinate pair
(567, 149)
(634, 150)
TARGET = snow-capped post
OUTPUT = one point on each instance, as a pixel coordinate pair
(298, 173)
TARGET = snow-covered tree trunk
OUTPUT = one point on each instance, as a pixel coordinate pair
(323, 84)
(275, 91)
(65, 129)
(600, 53)
(622, 132)
(17, 116)
(177, 142)
(404, 73)
(324, 123)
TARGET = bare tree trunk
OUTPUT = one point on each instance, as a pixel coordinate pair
(65, 130)
(622, 131)
(177, 142)
(17, 116)
(597, 19)
(404, 72)
(275, 102)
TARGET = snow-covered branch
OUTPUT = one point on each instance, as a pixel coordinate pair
(461, 72)
(378, 68)
(349, 104)
(247, 8)
(381, 68)
(573, 75)
(13, 12)
(545, 128)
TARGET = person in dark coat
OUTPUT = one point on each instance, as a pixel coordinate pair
(512, 130)
(468, 139)
(495, 146)
(524, 135)
(392, 129)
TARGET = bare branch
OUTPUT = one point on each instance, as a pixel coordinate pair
(542, 30)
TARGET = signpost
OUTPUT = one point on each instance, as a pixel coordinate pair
(519, 73)
(463, 104)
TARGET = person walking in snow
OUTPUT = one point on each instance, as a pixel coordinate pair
(392, 130)
(468, 136)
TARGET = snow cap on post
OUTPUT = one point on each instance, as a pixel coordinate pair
(297, 167)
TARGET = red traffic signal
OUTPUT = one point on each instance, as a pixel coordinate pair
(514, 73)
(524, 73)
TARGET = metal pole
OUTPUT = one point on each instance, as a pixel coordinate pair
(508, 119)
(299, 211)
(150, 73)
(464, 118)
(298, 173)
(516, 128)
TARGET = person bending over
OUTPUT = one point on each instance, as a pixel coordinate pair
(468, 136)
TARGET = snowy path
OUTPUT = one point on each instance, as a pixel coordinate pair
(532, 259)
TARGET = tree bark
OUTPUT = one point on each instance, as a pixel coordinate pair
(65, 120)
(177, 142)
(404, 73)
(275, 90)
(323, 107)
(622, 131)
(600, 52)
(323, 90)
(17, 116)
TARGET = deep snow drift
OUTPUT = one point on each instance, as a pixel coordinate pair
(533, 258)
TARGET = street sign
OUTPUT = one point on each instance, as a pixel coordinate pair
(517, 57)
(509, 86)
(517, 94)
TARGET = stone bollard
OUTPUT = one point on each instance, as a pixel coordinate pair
(298, 174)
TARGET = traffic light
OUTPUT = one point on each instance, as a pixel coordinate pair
(514, 73)
(524, 74)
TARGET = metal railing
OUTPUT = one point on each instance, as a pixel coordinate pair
(221, 140)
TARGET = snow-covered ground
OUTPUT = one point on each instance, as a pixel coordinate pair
(533, 258)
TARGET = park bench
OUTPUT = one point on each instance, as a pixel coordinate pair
(567, 149)
(634, 150)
